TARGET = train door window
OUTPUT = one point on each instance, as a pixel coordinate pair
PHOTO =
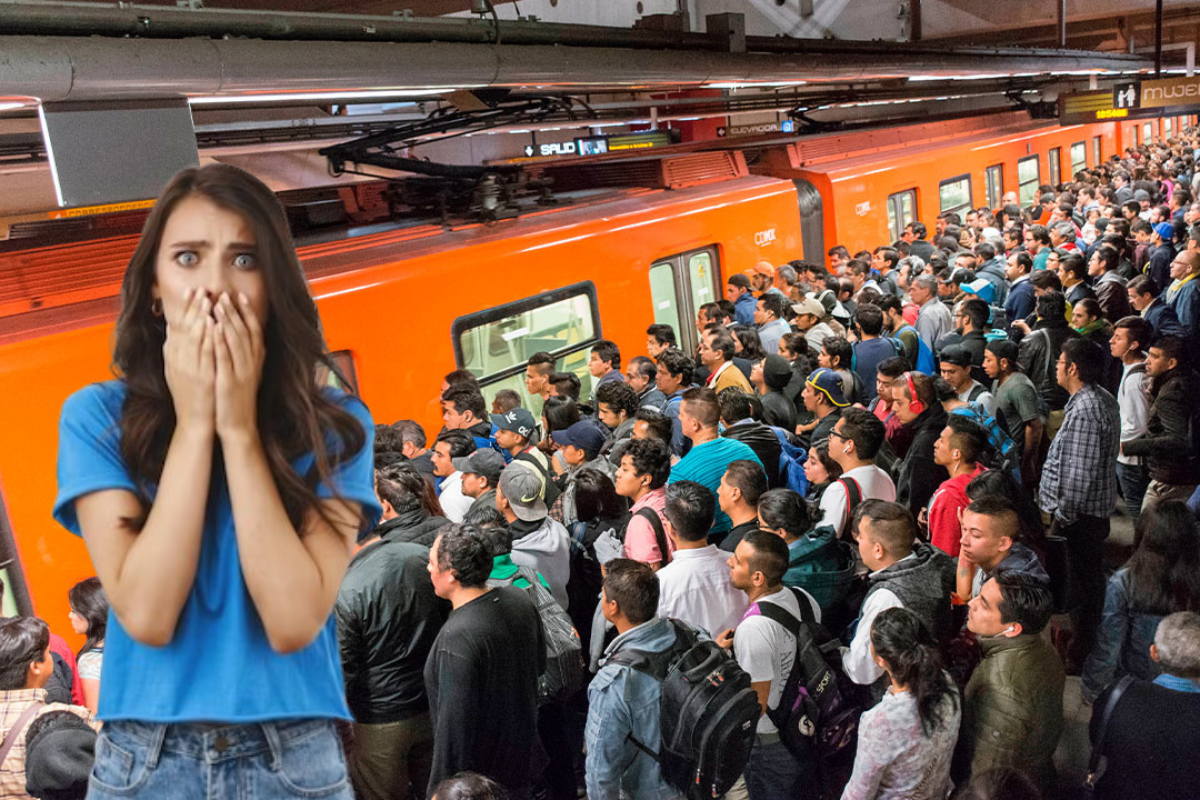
(1055, 165)
(664, 294)
(1096, 156)
(348, 380)
(954, 194)
(1078, 158)
(1166, 125)
(1029, 177)
(902, 210)
(679, 285)
(1147, 132)
(995, 185)
(495, 344)
(702, 278)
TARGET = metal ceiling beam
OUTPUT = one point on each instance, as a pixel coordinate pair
(99, 68)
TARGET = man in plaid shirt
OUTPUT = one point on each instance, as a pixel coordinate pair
(25, 667)
(1079, 483)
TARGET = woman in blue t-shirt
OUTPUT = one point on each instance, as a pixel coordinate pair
(220, 488)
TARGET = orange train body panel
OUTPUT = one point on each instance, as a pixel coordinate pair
(392, 305)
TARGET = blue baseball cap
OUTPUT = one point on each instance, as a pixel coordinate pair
(981, 288)
(584, 434)
(1165, 231)
(830, 384)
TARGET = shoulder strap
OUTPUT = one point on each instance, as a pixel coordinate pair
(529, 459)
(660, 535)
(18, 728)
(853, 495)
(1110, 706)
(976, 391)
(777, 613)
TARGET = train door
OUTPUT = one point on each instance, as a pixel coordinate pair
(812, 221)
(679, 285)
(902, 211)
(14, 597)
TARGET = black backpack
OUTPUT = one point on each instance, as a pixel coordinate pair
(818, 712)
(708, 713)
(552, 490)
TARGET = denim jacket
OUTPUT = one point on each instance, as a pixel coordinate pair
(624, 703)
(1123, 642)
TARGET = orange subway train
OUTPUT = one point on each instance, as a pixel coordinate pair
(629, 243)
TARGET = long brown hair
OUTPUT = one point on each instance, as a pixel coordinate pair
(295, 416)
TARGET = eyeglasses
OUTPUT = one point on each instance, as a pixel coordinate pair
(835, 432)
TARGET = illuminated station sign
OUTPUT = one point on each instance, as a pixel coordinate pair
(598, 145)
(1134, 100)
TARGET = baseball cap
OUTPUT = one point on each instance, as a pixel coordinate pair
(524, 490)
(980, 287)
(956, 355)
(518, 420)
(777, 371)
(1165, 230)
(487, 463)
(828, 383)
(762, 268)
(1140, 195)
(809, 306)
(583, 434)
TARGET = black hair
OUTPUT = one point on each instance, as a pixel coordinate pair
(643, 366)
(839, 350)
(900, 638)
(770, 557)
(748, 478)
(566, 384)
(633, 586)
(560, 413)
(1047, 279)
(690, 509)
(1143, 284)
(608, 351)
(968, 437)
(752, 349)
(1140, 331)
(869, 318)
(739, 280)
(676, 362)
(387, 440)
(1164, 570)
(735, 404)
(649, 457)
(469, 786)
(1001, 484)
(461, 443)
(985, 251)
(1024, 598)
(543, 362)
(1005, 350)
(702, 405)
(1051, 306)
(87, 599)
(722, 342)
(663, 334)
(405, 489)
(462, 549)
(783, 508)
(619, 396)
(507, 400)
(462, 379)
(893, 367)
(464, 399)
(865, 430)
(596, 497)
(775, 303)
(1171, 347)
(977, 311)
(892, 524)
(23, 640)
(658, 424)
(1089, 359)
(493, 528)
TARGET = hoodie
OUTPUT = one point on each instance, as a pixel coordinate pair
(920, 475)
(544, 545)
(994, 272)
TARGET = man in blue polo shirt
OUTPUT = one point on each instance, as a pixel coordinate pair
(711, 453)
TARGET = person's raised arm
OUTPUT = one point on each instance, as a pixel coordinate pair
(292, 576)
(148, 574)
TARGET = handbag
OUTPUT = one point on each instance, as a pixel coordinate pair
(1094, 771)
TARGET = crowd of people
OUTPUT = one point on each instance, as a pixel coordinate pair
(904, 461)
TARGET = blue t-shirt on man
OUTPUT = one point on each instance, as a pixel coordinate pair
(706, 463)
(219, 667)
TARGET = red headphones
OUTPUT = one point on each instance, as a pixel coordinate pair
(916, 405)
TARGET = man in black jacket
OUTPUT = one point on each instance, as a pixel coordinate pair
(1039, 350)
(736, 411)
(917, 407)
(387, 619)
(1169, 443)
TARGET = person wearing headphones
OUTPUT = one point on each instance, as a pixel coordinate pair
(1013, 705)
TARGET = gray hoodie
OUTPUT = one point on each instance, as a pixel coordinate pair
(544, 545)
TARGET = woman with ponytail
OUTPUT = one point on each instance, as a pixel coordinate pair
(905, 743)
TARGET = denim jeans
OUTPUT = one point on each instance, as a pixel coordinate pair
(773, 773)
(285, 759)
(1134, 480)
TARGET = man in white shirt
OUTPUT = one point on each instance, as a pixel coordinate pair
(853, 443)
(695, 586)
(904, 573)
(1130, 339)
(767, 651)
(449, 446)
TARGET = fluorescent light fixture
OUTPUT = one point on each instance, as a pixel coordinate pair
(752, 84)
(330, 95)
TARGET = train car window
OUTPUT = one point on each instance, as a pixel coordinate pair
(1055, 165)
(1029, 177)
(1147, 132)
(1078, 157)
(902, 209)
(995, 185)
(702, 278)
(1166, 126)
(954, 194)
(348, 380)
(496, 344)
(1096, 157)
(665, 295)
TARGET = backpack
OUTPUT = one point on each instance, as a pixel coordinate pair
(707, 713)
(1004, 455)
(660, 533)
(815, 715)
(853, 498)
(925, 361)
(563, 675)
(552, 491)
(791, 463)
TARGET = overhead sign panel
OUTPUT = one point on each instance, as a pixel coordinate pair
(1170, 93)
(1080, 107)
